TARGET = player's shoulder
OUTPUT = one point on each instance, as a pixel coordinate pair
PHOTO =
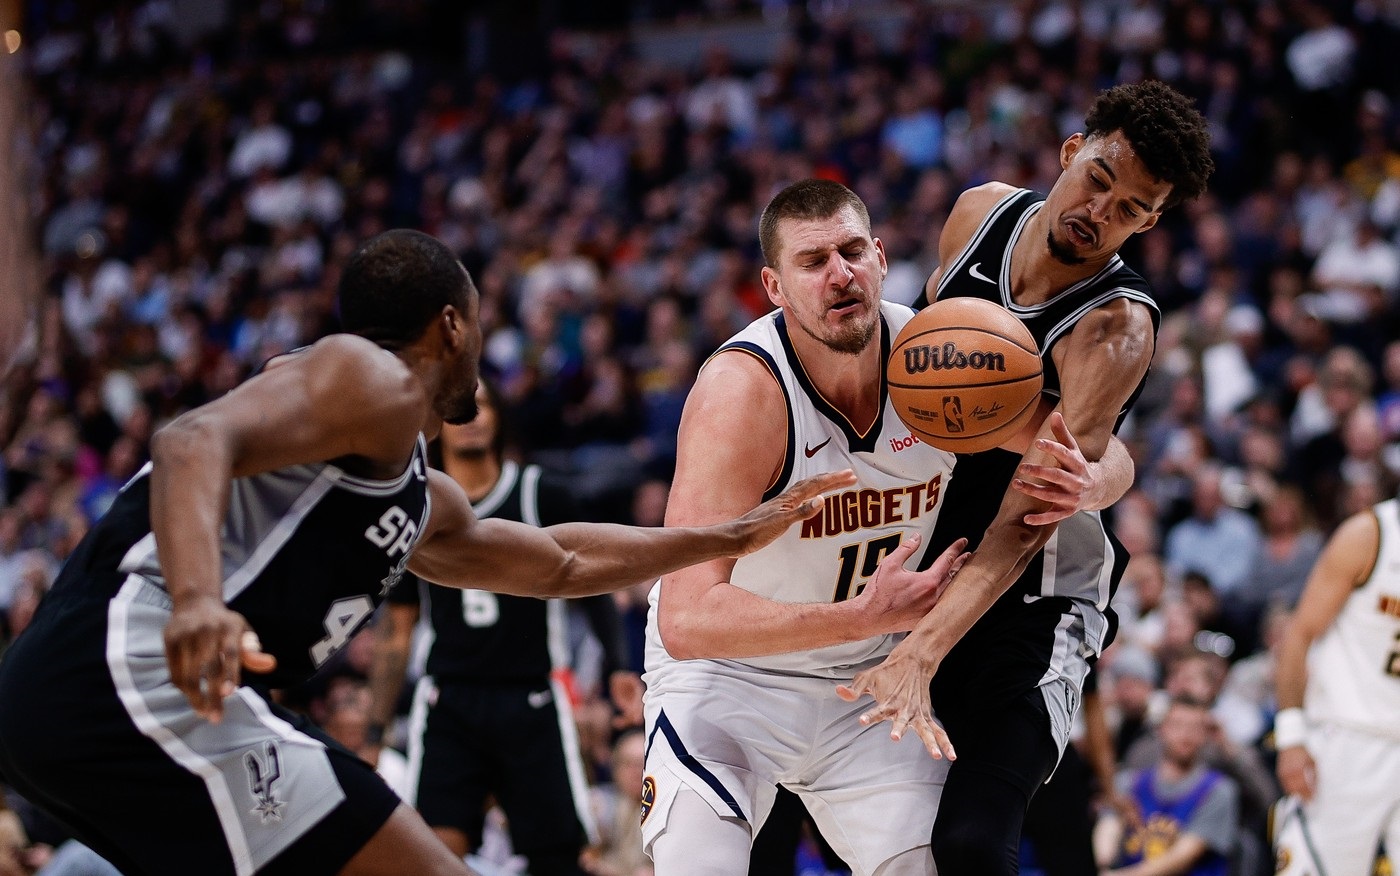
(355, 368)
(970, 209)
(736, 392)
(976, 202)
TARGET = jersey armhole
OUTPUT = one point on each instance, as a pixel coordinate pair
(1380, 543)
(784, 472)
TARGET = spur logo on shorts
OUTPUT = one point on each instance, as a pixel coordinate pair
(263, 773)
(648, 797)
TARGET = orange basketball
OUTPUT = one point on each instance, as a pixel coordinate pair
(964, 375)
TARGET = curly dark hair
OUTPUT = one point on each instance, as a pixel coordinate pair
(1165, 129)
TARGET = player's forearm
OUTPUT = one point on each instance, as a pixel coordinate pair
(603, 557)
(1005, 551)
(1290, 670)
(729, 622)
(189, 491)
(1113, 476)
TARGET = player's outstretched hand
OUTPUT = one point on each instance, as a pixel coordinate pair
(900, 688)
(798, 502)
(206, 646)
(1068, 487)
(896, 599)
(1297, 773)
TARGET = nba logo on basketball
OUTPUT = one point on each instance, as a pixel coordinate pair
(952, 413)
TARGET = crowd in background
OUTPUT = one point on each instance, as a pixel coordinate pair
(194, 203)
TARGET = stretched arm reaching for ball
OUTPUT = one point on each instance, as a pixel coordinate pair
(1114, 340)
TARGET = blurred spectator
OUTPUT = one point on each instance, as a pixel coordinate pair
(1190, 812)
(1216, 540)
(1285, 555)
(617, 806)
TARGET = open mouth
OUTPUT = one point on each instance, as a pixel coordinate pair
(1079, 233)
(844, 306)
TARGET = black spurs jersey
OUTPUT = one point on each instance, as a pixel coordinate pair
(1083, 557)
(308, 552)
(480, 636)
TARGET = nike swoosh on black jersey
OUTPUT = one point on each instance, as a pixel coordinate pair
(979, 275)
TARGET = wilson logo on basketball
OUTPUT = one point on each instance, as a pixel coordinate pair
(947, 357)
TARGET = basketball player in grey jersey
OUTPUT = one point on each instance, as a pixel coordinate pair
(271, 523)
(1146, 148)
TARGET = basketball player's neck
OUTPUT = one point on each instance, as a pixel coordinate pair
(848, 382)
(1036, 274)
(475, 473)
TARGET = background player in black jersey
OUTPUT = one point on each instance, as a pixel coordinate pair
(284, 512)
(488, 719)
(1007, 662)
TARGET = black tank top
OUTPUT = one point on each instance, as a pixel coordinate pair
(983, 270)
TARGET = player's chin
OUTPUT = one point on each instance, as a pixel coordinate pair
(462, 413)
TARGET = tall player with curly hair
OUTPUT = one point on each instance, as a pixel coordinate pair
(1002, 658)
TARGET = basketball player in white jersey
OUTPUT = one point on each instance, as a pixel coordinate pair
(1338, 688)
(741, 656)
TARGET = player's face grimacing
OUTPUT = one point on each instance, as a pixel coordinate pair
(1104, 195)
(829, 275)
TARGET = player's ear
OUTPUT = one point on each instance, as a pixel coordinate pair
(770, 285)
(1070, 148)
(451, 328)
(884, 260)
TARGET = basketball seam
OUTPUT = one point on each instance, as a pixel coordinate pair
(942, 386)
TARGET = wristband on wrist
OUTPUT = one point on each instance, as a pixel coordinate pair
(374, 734)
(1290, 728)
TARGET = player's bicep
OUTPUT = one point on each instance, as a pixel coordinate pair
(730, 448)
(330, 401)
(1100, 364)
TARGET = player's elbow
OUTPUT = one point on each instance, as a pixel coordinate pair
(1011, 541)
(186, 439)
(680, 638)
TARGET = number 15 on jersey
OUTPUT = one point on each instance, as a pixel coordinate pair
(866, 557)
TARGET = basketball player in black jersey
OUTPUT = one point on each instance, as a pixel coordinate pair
(1007, 648)
(489, 718)
(269, 525)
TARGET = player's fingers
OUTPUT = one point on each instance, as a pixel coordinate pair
(929, 735)
(1045, 518)
(959, 561)
(1060, 429)
(949, 561)
(809, 488)
(901, 554)
(252, 656)
(1030, 473)
(184, 672)
(847, 692)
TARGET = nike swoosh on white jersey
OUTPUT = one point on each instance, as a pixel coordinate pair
(979, 275)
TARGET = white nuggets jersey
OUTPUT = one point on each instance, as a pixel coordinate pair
(899, 489)
(1354, 667)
